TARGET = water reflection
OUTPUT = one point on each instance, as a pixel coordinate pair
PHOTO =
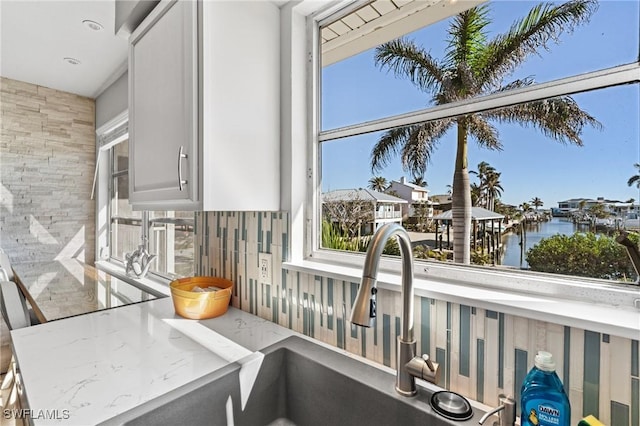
(514, 255)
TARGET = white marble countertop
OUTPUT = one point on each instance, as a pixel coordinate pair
(89, 368)
(63, 288)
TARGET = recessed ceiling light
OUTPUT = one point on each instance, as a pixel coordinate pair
(93, 25)
(72, 61)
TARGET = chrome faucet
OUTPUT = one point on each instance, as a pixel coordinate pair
(409, 366)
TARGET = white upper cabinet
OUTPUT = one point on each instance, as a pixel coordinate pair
(204, 100)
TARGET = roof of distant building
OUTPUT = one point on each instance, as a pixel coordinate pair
(403, 181)
(589, 200)
(363, 194)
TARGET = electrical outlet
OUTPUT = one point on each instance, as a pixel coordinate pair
(265, 268)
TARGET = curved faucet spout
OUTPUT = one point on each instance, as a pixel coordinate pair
(363, 312)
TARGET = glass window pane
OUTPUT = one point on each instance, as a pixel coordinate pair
(121, 156)
(364, 85)
(125, 223)
(586, 189)
(171, 239)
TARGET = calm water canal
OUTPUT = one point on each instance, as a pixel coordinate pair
(535, 232)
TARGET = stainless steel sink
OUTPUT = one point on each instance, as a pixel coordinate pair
(299, 383)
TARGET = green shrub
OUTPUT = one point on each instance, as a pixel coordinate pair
(333, 238)
(480, 257)
(585, 255)
(423, 252)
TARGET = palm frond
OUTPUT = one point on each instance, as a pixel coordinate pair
(484, 132)
(422, 142)
(517, 84)
(557, 118)
(388, 146)
(467, 36)
(407, 60)
(544, 23)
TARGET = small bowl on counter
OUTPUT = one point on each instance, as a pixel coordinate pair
(201, 297)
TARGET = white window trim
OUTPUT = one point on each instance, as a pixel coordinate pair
(102, 176)
(596, 305)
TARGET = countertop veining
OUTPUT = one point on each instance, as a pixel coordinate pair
(89, 368)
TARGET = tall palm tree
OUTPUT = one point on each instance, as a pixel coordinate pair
(378, 183)
(473, 66)
(536, 202)
(635, 179)
(492, 189)
(484, 169)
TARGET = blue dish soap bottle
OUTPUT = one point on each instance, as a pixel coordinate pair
(543, 399)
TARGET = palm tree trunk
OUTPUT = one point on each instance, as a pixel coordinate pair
(461, 200)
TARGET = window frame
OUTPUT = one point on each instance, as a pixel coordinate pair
(571, 293)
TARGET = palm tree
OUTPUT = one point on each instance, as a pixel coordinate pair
(536, 202)
(492, 189)
(419, 181)
(473, 66)
(635, 179)
(484, 170)
(525, 207)
(378, 183)
(476, 194)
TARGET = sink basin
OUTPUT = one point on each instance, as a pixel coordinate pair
(299, 383)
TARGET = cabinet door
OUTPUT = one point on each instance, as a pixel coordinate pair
(163, 108)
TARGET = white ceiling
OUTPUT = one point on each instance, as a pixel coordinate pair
(36, 36)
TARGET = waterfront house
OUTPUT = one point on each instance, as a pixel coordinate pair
(417, 198)
(613, 207)
(372, 208)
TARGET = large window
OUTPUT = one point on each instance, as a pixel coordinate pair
(531, 125)
(166, 234)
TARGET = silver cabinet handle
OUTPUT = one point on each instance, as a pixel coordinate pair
(181, 155)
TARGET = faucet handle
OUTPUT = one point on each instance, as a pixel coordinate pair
(426, 359)
(423, 368)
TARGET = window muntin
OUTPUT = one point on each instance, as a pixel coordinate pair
(356, 90)
(340, 101)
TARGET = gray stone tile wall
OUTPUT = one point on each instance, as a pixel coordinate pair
(47, 160)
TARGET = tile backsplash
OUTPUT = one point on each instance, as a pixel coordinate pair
(482, 353)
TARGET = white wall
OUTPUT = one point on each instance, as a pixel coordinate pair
(113, 101)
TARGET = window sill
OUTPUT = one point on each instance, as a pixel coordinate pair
(623, 321)
(156, 286)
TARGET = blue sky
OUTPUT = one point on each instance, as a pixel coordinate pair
(354, 90)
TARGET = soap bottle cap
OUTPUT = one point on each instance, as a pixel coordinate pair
(544, 361)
